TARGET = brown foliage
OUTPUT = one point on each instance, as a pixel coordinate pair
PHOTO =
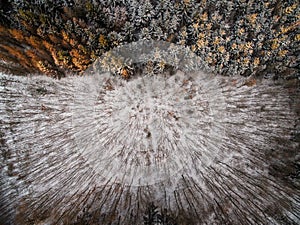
(19, 54)
(79, 59)
(17, 34)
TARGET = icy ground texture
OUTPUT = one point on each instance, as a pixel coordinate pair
(99, 150)
(148, 128)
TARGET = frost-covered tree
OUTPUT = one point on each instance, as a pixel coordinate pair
(162, 142)
(255, 35)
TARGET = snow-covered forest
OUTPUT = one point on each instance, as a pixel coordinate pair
(233, 37)
(149, 112)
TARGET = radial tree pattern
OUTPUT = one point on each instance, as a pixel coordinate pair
(179, 148)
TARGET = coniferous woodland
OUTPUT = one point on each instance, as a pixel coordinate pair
(221, 148)
(232, 37)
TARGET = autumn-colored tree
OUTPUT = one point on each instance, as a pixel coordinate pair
(233, 37)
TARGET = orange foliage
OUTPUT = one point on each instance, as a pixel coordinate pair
(6, 57)
(79, 59)
(65, 36)
(33, 57)
(48, 45)
(19, 54)
(73, 42)
(17, 34)
(103, 41)
(35, 42)
(66, 39)
(2, 30)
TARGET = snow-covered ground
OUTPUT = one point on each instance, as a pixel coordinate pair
(197, 145)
